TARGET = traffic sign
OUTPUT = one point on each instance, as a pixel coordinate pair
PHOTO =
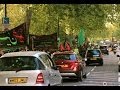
(5, 20)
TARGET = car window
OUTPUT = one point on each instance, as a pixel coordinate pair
(92, 53)
(64, 57)
(19, 62)
(46, 59)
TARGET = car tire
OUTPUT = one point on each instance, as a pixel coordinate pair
(119, 68)
(85, 76)
(80, 76)
(87, 64)
(101, 63)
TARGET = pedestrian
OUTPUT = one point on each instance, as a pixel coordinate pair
(65, 46)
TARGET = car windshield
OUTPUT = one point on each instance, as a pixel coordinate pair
(64, 57)
(18, 63)
(93, 53)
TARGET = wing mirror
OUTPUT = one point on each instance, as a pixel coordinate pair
(55, 68)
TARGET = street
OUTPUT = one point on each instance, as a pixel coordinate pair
(106, 75)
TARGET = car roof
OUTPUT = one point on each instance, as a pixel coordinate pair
(64, 52)
(22, 53)
(93, 49)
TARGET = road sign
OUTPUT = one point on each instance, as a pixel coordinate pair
(5, 20)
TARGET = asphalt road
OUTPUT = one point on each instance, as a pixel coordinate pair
(106, 75)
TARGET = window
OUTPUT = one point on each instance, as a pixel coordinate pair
(46, 59)
(93, 52)
(64, 57)
(19, 62)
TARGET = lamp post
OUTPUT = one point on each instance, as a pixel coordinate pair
(5, 10)
(5, 20)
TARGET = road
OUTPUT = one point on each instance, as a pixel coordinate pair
(106, 75)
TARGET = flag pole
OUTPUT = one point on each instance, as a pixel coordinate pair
(28, 18)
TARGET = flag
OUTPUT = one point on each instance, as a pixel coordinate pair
(13, 37)
(81, 37)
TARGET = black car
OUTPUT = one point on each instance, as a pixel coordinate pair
(104, 49)
(93, 56)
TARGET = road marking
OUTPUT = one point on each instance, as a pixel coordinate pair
(91, 70)
(118, 74)
(118, 79)
(74, 85)
(88, 73)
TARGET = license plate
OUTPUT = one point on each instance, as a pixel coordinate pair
(15, 80)
(93, 58)
(63, 65)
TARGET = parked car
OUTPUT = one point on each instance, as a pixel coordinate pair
(94, 56)
(28, 68)
(104, 49)
(70, 64)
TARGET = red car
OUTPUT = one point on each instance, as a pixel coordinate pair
(70, 64)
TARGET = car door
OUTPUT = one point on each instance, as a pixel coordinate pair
(54, 75)
(55, 71)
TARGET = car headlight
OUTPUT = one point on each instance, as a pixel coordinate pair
(85, 59)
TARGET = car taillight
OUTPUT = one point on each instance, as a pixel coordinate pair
(40, 79)
(74, 66)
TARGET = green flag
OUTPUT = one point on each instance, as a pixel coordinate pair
(81, 37)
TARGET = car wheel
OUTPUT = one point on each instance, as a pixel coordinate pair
(80, 76)
(85, 76)
(87, 64)
(101, 63)
(118, 68)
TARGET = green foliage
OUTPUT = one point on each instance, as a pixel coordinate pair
(72, 17)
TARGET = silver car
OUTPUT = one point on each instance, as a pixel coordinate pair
(28, 68)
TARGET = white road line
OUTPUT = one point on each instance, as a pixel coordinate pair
(118, 79)
(91, 70)
(118, 74)
(88, 73)
(74, 85)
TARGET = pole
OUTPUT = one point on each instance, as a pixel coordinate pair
(5, 10)
(58, 36)
(28, 19)
(58, 26)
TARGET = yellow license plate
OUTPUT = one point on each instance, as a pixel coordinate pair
(15, 80)
(93, 58)
(64, 65)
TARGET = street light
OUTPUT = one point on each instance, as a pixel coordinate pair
(5, 10)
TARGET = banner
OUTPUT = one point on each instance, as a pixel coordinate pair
(13, 37)
(44, 42)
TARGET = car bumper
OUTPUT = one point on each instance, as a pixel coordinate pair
(68, 74)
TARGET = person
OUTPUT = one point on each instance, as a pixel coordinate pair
(65, 46)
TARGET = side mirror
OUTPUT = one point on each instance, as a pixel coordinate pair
(55, 67)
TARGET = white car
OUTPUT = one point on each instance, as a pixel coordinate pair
(28, 68)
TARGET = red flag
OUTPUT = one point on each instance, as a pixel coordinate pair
(67, 46)
(61, 48)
